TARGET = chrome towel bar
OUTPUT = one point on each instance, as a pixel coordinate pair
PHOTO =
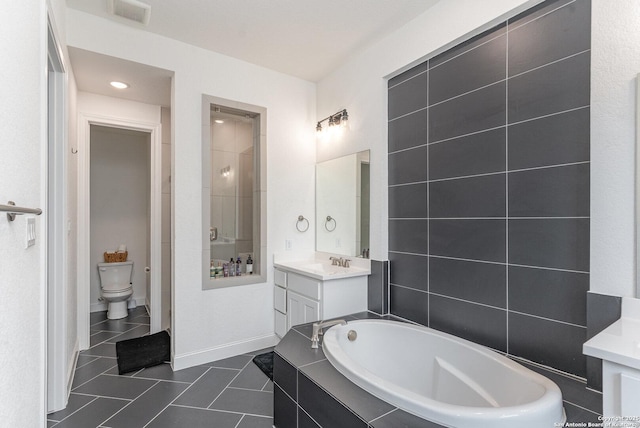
(12, 211)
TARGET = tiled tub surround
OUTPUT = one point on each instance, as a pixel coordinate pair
(489, 187)
(310, 393)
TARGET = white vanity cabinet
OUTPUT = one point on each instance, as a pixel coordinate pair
(280, 302)
(307, 299)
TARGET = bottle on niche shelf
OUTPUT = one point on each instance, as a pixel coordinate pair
(232, 267)
(249, 267)
(238, 266)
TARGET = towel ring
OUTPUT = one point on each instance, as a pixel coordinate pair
(301, 219)
(329, 220)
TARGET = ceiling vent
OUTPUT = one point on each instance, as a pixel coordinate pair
(132, 10)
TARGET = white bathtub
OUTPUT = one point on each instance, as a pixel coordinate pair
(442, 378)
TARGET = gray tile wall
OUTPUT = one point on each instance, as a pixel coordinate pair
(489, 187)
(378, 287)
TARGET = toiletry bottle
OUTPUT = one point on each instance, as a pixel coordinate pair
(232, 267)
(212, 270)
(225, 270)
(249, 265)
(238, 266)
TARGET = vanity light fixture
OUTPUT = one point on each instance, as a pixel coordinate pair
(119, 85)
(225, 171)
(340, 118)
(219, 121)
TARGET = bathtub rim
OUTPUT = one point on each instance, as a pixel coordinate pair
(381, 389)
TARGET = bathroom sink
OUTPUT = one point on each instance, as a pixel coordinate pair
(324, 268)
(321, 270)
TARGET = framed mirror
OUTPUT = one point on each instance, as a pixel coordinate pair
(342, 205)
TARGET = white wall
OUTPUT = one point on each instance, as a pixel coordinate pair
(165, 304)
(23, 109)
(72, 233)
(120, 194)
(615, 62)
(217, 323)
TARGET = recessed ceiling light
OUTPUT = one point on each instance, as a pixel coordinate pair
(219, 121)
(119, 85)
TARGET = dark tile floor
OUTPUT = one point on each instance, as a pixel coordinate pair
(230, 393)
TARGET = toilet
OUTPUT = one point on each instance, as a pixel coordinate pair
(116, 287)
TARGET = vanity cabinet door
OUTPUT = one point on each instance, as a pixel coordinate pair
(280, 324)
(301, 309)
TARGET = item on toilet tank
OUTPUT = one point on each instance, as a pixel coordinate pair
(116, 287)
(212, 270)
(249, 267)
(115, 257)
(122, 248)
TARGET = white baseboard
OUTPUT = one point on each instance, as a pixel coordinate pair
(102, 306)
(192, 359)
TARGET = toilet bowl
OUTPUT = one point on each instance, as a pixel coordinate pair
(116, 287)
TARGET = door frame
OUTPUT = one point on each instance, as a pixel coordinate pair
(56, 239)
(85, 121)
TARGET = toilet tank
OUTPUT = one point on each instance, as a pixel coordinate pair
(115, 276)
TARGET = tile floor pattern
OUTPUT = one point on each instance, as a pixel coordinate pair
(230, 393)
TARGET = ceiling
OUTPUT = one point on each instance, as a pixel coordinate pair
(303, 38)
(94, 71)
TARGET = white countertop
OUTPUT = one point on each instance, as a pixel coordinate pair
(620, 342)
(319, 267)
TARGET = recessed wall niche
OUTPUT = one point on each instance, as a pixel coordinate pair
(234, 191)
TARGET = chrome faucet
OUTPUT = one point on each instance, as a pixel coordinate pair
(317, 330)
(339, 262)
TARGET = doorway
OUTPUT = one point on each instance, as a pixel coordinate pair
(150, 257)
(120, 190)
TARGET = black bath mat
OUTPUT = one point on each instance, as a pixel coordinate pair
(141, 352)
(265, 363)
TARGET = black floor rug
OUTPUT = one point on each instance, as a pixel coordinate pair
(141, 352)
(265, 363)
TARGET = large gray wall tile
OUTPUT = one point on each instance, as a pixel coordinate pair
(474, 281)
(482, 196)
(548, 342)
(553, 140)
(469, 71)
(477, 323)
(561, 191)
(547, 293)
(561, 243)
(557, 87)
(550, 37)
(468, 239)
(480, 153)
(477, 111)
